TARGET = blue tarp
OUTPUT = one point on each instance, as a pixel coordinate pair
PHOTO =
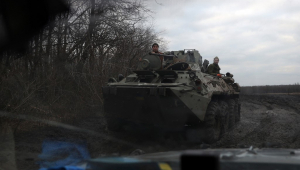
(58, 155)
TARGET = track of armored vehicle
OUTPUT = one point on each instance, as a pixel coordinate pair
(181, 95)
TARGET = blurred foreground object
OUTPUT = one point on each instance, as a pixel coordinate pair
(58, 154)
(20, 20)
(7, 148)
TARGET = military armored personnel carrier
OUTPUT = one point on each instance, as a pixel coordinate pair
(175, 93)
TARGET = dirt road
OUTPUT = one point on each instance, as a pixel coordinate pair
(266, 121)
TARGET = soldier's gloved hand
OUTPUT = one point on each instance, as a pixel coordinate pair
(219, 75)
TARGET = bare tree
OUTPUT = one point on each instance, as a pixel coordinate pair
(68, 62)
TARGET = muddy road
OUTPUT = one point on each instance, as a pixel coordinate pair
(266, 121)
(270, 121)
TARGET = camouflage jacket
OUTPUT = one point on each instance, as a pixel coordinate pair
(160, 57)
(213, 69)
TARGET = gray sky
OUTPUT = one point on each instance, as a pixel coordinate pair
(257, 41)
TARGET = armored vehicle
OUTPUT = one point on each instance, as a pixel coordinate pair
(173, 93)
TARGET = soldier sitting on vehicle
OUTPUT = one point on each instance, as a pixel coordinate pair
(214, 68)
(155, 47)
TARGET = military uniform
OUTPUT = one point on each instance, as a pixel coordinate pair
(157, 52)
(213, 69)
(160, 57)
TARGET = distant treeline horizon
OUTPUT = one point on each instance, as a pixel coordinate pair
(292, 88)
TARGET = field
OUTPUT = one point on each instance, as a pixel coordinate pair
(267, 120)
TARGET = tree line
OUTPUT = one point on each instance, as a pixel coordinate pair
(294, 88)
(68, 62)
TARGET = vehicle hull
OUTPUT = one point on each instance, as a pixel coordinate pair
(141, 106)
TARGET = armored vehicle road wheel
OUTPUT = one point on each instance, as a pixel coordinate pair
(231, 111)
(237, 110)
(225, 115)
(214, 123)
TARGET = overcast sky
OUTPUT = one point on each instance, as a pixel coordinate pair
(257, 41)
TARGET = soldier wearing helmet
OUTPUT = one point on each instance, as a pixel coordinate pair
(214, 68)
(155, 47)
